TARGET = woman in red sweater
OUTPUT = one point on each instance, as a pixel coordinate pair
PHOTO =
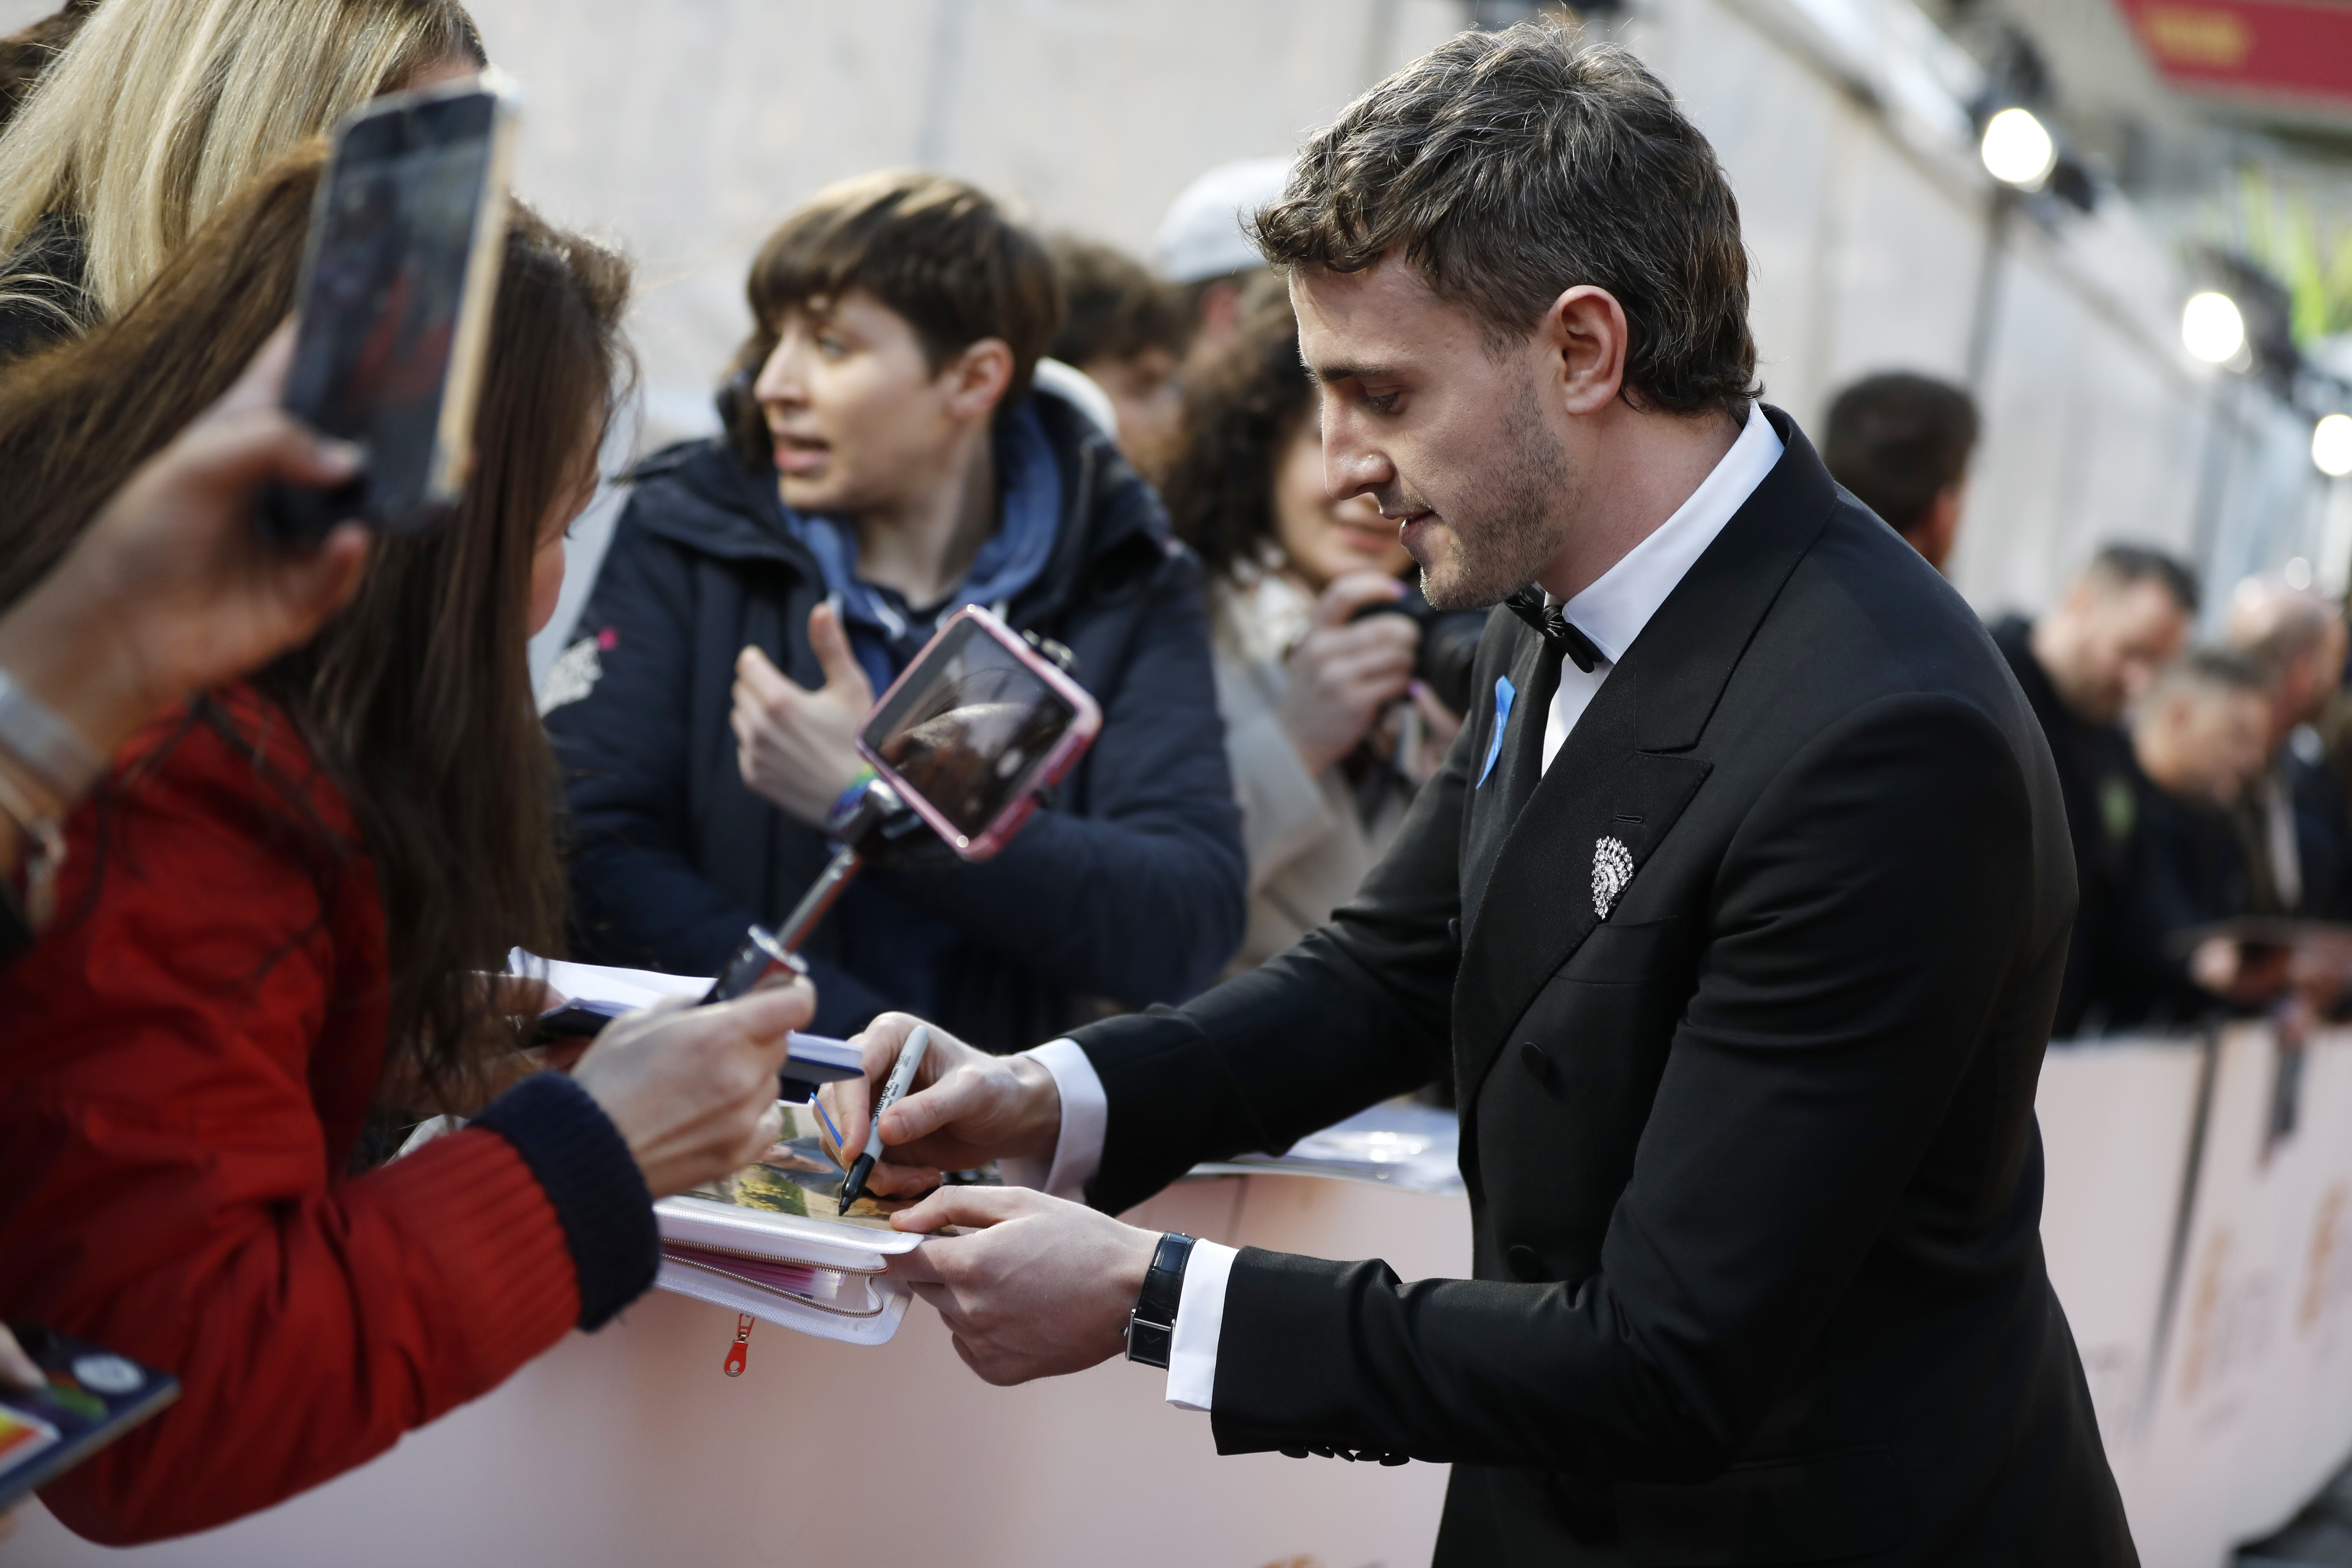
(275, 917)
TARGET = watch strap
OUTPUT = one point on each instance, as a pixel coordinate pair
(1151, 1326)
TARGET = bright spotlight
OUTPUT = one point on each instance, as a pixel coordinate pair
(2017, 151)
(2212, 328)
(2331, 445)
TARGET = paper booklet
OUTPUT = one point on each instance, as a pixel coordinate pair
(765, 1241)
(597, 982)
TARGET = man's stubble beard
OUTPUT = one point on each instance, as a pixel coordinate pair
(1506, 525)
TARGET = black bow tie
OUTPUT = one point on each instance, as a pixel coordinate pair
(1528, 604)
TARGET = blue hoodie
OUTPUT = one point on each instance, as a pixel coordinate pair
(885, 632)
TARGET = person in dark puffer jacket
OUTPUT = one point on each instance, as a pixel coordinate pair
(886, 461)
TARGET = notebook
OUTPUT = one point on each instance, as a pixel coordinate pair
(766, 1241)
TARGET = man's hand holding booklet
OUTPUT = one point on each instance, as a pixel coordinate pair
(766, 1241)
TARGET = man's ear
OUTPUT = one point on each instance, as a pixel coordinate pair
(1585, 336)
(977, 378)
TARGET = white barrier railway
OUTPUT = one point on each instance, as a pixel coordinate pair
(2205, 1262)
(2246, 1309)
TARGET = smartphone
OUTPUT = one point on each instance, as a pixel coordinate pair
(399, 277)
(93, 1396)
(976, 730)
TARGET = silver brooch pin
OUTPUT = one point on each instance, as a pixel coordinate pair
(1612, 868)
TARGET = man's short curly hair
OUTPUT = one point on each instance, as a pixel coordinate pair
(1509, 167)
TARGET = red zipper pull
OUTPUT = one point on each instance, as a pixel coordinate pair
(740, 1355)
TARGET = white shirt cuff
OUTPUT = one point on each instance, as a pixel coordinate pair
(1200, 1319)
(1085, 1117)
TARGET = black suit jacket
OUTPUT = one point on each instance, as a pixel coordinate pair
(1752, 1160)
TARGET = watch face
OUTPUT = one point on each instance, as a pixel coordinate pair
(1148, 1343)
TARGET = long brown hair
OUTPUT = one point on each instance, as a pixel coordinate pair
(1239, 417)
(417, 697)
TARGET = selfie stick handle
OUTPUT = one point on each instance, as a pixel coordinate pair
(853, 826)
(829, 886)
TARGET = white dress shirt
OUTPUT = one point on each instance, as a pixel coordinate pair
(1614, 610)
(1612, 613)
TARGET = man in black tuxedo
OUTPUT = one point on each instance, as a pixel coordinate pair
(1736, 918)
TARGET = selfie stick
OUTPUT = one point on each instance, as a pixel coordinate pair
(850, 826)
(861, 818)
(765, 953)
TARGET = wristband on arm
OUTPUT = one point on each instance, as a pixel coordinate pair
(53, 759)
(47, 745)
(1151, 1326)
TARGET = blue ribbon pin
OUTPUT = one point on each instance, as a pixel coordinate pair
(1504, 693)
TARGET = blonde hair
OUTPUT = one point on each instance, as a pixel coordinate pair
(160, 110)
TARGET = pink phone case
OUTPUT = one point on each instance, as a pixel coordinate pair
(1086, 723)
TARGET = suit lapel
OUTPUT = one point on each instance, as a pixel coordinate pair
(1540, 902)
(1519, 766)
(1527, 874)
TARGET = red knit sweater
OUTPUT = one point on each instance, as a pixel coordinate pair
(187, 1060)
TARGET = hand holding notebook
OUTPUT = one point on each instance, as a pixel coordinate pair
(761, 1241)
(755, 1241)
(78, 1398)
(692, 1091)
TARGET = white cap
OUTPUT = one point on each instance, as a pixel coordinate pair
(1201, 236)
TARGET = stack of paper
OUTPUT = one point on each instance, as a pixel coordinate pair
(626, 988)
(598, 995)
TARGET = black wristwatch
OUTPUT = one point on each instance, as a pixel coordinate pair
(1151, 1327)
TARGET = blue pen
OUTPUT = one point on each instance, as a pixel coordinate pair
(832, 1130)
